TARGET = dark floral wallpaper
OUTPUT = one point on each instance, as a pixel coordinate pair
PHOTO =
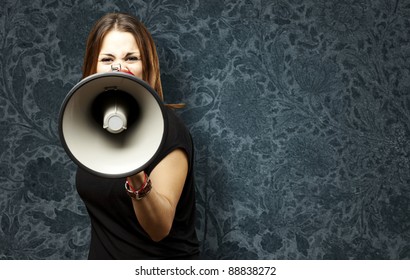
(300, 113)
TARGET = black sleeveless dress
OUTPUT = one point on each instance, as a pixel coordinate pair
(115, 231)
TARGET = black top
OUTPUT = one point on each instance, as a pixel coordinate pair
(115, 231)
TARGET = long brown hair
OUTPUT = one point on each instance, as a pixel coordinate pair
(125, 23)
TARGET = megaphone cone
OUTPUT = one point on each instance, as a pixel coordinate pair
(112, 124)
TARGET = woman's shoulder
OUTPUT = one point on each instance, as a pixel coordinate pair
(176, 136)
(176, 128)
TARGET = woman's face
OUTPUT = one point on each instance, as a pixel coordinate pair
(120, 48)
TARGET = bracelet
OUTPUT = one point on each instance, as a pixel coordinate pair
(142, 192)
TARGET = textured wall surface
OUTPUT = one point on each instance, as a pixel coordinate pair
(300, 113)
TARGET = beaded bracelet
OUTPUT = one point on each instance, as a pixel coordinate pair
(141, 192)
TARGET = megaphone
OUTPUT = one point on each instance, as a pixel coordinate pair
(112, 124)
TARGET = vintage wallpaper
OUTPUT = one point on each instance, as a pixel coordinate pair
(300, 113)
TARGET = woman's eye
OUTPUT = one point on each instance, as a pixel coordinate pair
(106, 59)
(133, 58)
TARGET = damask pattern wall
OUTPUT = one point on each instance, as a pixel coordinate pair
(299, 110)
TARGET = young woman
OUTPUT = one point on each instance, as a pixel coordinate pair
(154, 216)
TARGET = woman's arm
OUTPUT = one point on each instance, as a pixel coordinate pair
(156, 211)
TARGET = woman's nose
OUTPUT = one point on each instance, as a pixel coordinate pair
(116, 67)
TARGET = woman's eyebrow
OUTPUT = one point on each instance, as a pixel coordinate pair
(127, 54)
(133, 53)
(107, 54)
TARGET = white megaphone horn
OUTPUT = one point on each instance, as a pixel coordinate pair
(112, 124)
